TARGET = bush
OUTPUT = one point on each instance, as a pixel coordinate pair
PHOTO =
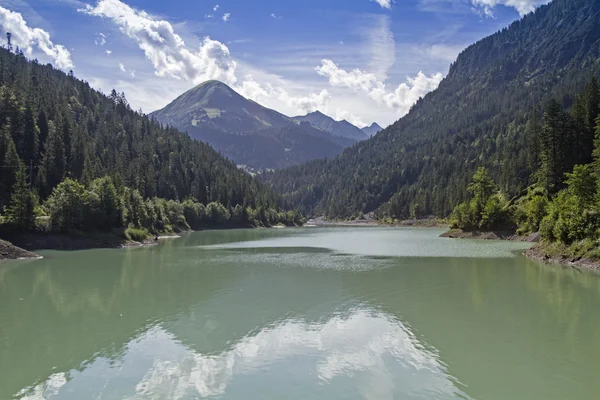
(137, 234)
(531, 210)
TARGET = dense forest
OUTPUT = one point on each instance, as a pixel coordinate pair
(563, 202)
(422, 164)
(72, 158)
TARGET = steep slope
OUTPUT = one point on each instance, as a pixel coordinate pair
(215, 105)
(422, 163)
(246, 132)
(328, 124)
(372, 130)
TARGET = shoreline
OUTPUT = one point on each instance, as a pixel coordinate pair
(416, 223)
(581, 263)
(9, 251)
(536, 252)
(23, 246)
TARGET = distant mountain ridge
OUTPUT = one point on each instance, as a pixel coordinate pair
(372, 130)
(249, 133)
(328, 124)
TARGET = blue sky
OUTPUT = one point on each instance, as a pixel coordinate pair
(360, 60)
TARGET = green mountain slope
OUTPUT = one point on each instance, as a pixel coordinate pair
(422, 163)
(57, 126)
(328, 124)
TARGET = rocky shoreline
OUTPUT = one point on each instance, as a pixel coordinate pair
(490, 235)
(8, 251)
(22, 246)
(537, 253)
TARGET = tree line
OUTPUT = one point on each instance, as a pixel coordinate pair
(63, 144)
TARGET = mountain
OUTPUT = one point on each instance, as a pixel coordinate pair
(480, 115)
(328, 124)
(215, 105)
(372, 130)
(62, 130)
(276, 147)
(246, 132)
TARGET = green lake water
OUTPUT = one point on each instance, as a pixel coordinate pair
(311, 313)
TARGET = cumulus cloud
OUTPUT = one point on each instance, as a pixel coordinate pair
(401, 99)
(216, 7)
(261, 93)
(384, 3)
(27, 38)
(165, 49)
(226, 17)
(122, 67)
(273, 15)
(109, 52)
(522, 6)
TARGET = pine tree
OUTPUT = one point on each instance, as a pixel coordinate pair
(555, 145)
(54, 162)
(22, 202)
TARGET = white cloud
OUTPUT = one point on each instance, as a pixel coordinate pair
(216, 7)
(381, 45)
(226, 17)
(522, 6)
(350, 117)
(122, 67)
(384, 3)
(27, 38)
(164, 48)
(275, 16)
(251, 89)
(100, 39)
(109, 52)
(401, 99)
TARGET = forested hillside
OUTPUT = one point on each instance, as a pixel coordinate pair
(563, 203)
(478, 116)
(92, 162)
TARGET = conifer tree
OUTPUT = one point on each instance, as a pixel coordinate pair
(22, 202)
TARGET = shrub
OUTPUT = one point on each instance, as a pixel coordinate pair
(136, 234)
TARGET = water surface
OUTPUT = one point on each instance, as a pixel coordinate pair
(319, 313)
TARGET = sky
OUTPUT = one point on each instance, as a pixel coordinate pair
(360, 60)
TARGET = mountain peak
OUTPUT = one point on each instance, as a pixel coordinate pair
(215, 105)
(372, 130)
(328, 124)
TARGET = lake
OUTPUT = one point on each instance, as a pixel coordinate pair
(307, 313)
